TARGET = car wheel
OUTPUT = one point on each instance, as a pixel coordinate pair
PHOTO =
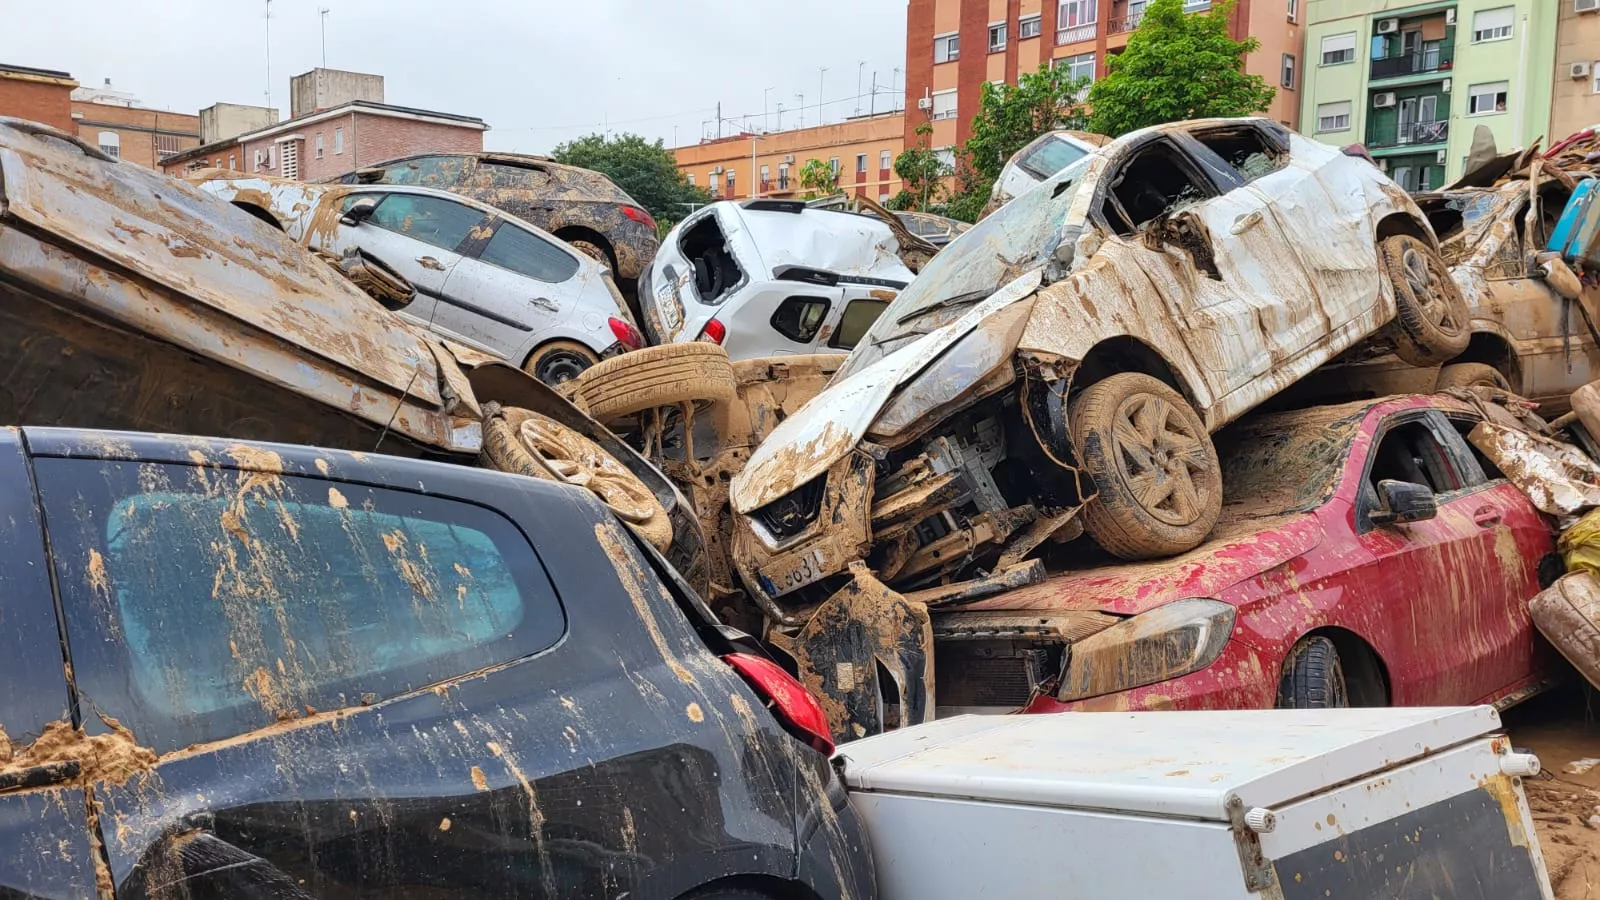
(559, 361)
(1153, 465)
(595, 252)
(1312, 677)
(1462, 375)
(656, 376)
(1431, 323)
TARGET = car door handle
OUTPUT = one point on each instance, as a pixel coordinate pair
(1486, 516)
(428, 262)
(545, 303)
(1245, 223)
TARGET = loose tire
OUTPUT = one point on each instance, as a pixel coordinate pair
(1431, 323)
(558, 362)
(1153, 465)
(1461, 375)
(1313, 677)
(656, 376)
(596, 252)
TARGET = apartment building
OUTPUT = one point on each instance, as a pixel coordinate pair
(1413, 81)
(1575, 96)
(954, 46)
(121, 126)
(861, 150)
(38, 95)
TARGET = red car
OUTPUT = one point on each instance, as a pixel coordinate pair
(1369, 556)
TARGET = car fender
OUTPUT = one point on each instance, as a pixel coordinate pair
(570, 330)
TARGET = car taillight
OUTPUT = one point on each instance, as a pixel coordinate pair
(626, 333)
(794, 706)
(714, 332)
(639, 215)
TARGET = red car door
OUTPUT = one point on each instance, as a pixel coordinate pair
(1435, 585)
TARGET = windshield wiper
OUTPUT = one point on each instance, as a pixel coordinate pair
(967, 299)
(879, 342)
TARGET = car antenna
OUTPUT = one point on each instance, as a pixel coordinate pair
(398, 404)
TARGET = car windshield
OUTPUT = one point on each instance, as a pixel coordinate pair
(1051, 156)
(1015, 239)
(1285, 463)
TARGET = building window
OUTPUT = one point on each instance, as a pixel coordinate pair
(944, 105)
(766, 176)
(886, 160)
(783, 176)
(883, 197)
(1288, 71)
(1492, 24)
(110, 144)
(319, 145)
(833, 165)
(233, 162)
(1191, 6)
(1403, 177)
(1338, 49)
(997, 37)
(1078, 67)
(691, 179)
(1486, 99)
(167, 146)
(946, 48)
(1594, 69)
(291, 160)
(947, 157)
(338, 141)
(1333, 116)
(1028, 27)
(272, 156)
(1075, 20)
(1294, 10)
(861, 164)
(716, 183)
(731, 181)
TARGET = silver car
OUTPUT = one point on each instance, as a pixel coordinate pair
(483, 278)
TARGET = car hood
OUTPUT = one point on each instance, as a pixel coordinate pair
(827, 428)
(1238, 551)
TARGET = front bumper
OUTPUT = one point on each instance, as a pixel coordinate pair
(838, 535)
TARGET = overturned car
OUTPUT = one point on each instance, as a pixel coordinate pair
(1062, 366)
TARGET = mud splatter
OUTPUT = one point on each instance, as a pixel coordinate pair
(633, 580)
(336, 499)
(694, 713)
(478, 779)
(114, 757)
(444, 824)
(535, 816)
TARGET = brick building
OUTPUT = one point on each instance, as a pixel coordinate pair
(1575, 103)
(38, 95)
(861, 150)
(954, 46)
(328, 143)
(122, 127)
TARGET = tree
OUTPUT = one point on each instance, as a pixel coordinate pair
(1010, 117)
(818, 178)
(647, 171)
(921, 173)
(1177, 66)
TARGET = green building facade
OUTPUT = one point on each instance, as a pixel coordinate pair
(1413, 80)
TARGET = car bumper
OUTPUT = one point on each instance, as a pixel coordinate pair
(1239, 679)
(839, 535)
(834, 859)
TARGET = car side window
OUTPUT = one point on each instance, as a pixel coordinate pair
(855, 322)
(436, 221)
(1245, 150)
(526, 253)
(1487, 470)
(1410, 451)
(427, 171)
(1159, 181)
(800, 318)
(202, 603)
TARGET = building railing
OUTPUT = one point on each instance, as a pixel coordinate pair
(1438, 59)
(1076, 33)
(1411, 133)
(1124, 23)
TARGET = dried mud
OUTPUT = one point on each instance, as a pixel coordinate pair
(1562, 727)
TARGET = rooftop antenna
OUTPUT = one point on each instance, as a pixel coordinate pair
(269, 53)
(322, 12)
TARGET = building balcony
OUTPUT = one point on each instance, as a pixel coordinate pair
(1076, 34)
(1124, 24)
(1440, 59)
(1410, 135)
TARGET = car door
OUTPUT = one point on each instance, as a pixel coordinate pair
(515, 287)
(1435, 586)
(45, 825)
(420, 236)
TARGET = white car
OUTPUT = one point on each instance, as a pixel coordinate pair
(483, 278)
(771, 278)
(1045, 156)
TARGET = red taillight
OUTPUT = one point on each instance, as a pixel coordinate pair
(791, 702)
(714, 332)
(626, 333)
(639, 215)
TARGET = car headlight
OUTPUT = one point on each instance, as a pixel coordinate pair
(972, 359)
(1152, 647)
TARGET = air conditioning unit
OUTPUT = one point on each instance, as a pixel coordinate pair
(1444, 87)
(1382, 99)
(1584, 6)
(1383, 165)
(1388, 26)
(1439, 158)
(789, 159)
(1449, 17)
(719, 170)
(925, 103)
(1578, 69)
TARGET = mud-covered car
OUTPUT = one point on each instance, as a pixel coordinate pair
(935, 229)
(134, 301)
(1068, 358)
(580, 206)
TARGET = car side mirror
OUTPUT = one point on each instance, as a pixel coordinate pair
(359, 211)
(1402, 501)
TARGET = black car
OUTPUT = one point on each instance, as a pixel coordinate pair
(250, 671)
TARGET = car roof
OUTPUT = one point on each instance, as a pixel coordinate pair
(603, 188)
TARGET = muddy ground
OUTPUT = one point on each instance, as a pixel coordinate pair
(1563, 727)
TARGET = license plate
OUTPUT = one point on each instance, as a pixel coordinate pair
(803, 571)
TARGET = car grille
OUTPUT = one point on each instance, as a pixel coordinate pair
(789, 515)
(967, 680)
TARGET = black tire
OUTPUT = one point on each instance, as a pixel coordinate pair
(727, 893)
(1153, 465)
(558, 362)
(1313, 677)
(1432, 323)
(1459, 375)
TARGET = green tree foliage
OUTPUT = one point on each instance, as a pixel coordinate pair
(818, 179)
(1177, 66)
(922, 174)
(647, 171)
(1010, 117)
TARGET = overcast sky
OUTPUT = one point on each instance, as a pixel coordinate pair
(538, 71)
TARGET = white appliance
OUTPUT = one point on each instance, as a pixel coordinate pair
(1287, 804)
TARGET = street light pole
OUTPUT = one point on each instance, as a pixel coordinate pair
(821, 71)
(860, 71)
(766, 117)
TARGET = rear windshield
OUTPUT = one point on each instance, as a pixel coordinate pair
(1286, 463)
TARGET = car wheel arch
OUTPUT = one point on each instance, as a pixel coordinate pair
(1403, 222)
(570, 233)
(1125, 353)
(1366, 673)
(770, 887)
(1493, 347)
